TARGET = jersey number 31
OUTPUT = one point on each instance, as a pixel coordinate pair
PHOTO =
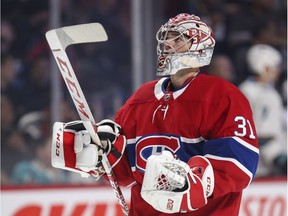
(242, 125)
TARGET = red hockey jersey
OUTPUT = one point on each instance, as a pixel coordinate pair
(208, 116)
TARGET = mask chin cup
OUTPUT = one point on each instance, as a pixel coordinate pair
(171, 64)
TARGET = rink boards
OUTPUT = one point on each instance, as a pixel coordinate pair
(263, 198)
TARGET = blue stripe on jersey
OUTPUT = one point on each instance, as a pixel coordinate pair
(131, 154)
(189, 150)
(223, 147)
(230, 148)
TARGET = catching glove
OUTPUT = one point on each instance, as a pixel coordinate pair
(171, 185)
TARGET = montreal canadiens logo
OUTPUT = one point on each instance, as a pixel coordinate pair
(153, 145)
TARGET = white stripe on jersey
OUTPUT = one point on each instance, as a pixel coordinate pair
(237, 163)
(189, 140)
(247, 145)
(183, 139)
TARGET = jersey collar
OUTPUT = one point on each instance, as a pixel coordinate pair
(160, 89)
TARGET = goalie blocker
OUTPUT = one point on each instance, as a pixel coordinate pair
(171, 185)
(73, 149)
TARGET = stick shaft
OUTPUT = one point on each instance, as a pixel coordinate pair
(58, 40)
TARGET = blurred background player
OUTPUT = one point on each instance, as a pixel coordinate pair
(191, 142)
(264, 62)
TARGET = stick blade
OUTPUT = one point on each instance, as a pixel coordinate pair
(82, 33)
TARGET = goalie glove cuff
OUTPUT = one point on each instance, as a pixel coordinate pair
(194, 197)
(113, 143)
(200, 183)
(108, 129)
(201, 167)
(108, 132)
(117, 150)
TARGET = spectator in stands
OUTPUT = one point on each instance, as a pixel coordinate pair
(267, 105)
(222, 66)
(39, 169)
(34, 95)
(7, 36)
(8, 72)
(13, 145)
(36, 124)
(11, 82)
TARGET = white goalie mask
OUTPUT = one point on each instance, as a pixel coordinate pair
(196, 38)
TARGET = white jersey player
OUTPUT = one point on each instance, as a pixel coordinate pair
(267, 106)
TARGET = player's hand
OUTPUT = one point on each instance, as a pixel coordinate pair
(74, 150)
(171, 185)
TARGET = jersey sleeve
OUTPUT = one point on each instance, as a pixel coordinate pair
(122, 170)
(232, 145)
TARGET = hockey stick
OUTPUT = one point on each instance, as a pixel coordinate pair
(58, 40)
